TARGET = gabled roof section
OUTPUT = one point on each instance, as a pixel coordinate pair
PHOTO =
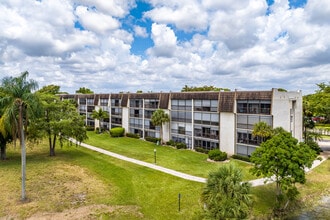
(226, 101)
(195, 95)
(254, 95)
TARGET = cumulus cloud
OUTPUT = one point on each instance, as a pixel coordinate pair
(243, 44)
(164, 40)
(96, 21)
(187, 17)
(140, 31)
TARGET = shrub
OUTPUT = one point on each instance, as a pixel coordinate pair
(131, 135)
(180, 145)
(153, 139)
(202, 150)
(314, 146)
(117, 132)
(217, 155)
(240, 157)
(90, 128)
(170, 143)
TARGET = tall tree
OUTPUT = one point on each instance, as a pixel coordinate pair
(282, 159)
(19, 103)
(159, 118)
(318, 104)
(60, 119)
(100, 115)
(225, 195)
(50, 89)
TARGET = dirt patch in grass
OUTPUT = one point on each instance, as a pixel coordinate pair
(57, 190)
(90, 212)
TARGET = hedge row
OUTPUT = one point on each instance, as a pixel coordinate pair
(177, 145)
(240, 157)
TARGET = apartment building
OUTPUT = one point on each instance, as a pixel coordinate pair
(210, 120)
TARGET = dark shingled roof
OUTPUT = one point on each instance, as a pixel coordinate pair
(226, 101)
(195, 95)
(124, 100)
(254, 95)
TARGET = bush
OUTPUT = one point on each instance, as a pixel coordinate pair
(153, 139)
(90, 128)
(170, 143)
(217, 155)
(180, 145)
(202, 150)
(240, 157)
(314, 146)
(117, 132)
(131, 135)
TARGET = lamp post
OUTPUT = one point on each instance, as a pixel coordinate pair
(155, 152)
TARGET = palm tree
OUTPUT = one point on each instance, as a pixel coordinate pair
(262, 130)
(225, 196)
(99, 115)
(158, 118)
(19, 103)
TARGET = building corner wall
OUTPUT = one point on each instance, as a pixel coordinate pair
(125, 118)
(287, 112)
(227, 132)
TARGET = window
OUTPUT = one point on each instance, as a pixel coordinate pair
(90, 101)
(151, 103)
(206, 105)
(181, 130)
(254, 106)
(115, 102)
(104, 102)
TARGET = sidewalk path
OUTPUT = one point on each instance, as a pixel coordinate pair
(256, 182)
(142, 163)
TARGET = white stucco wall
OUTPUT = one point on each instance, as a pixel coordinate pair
(287, 112)
(227, 132)
(166, 128)
(125, 118)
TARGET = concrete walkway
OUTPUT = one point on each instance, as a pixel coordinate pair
(256, 182)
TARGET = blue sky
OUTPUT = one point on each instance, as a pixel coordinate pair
(157, 45)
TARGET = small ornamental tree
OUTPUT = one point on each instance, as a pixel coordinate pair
(158, 118)
(99, 115)
(282, 159)
(225, 196)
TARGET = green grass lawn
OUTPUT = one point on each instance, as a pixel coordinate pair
(79, 177)
(186, 161)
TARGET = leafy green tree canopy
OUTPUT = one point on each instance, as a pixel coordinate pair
(282, 159)
(84, 90)
(203, 88)
(318, 104)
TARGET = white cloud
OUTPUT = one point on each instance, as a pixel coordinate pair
(116, 8)
(95, 21)
(233, 44)
(164, 40)
(140, 31)
(186, 17)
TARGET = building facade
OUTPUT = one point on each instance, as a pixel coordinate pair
(209, 120)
